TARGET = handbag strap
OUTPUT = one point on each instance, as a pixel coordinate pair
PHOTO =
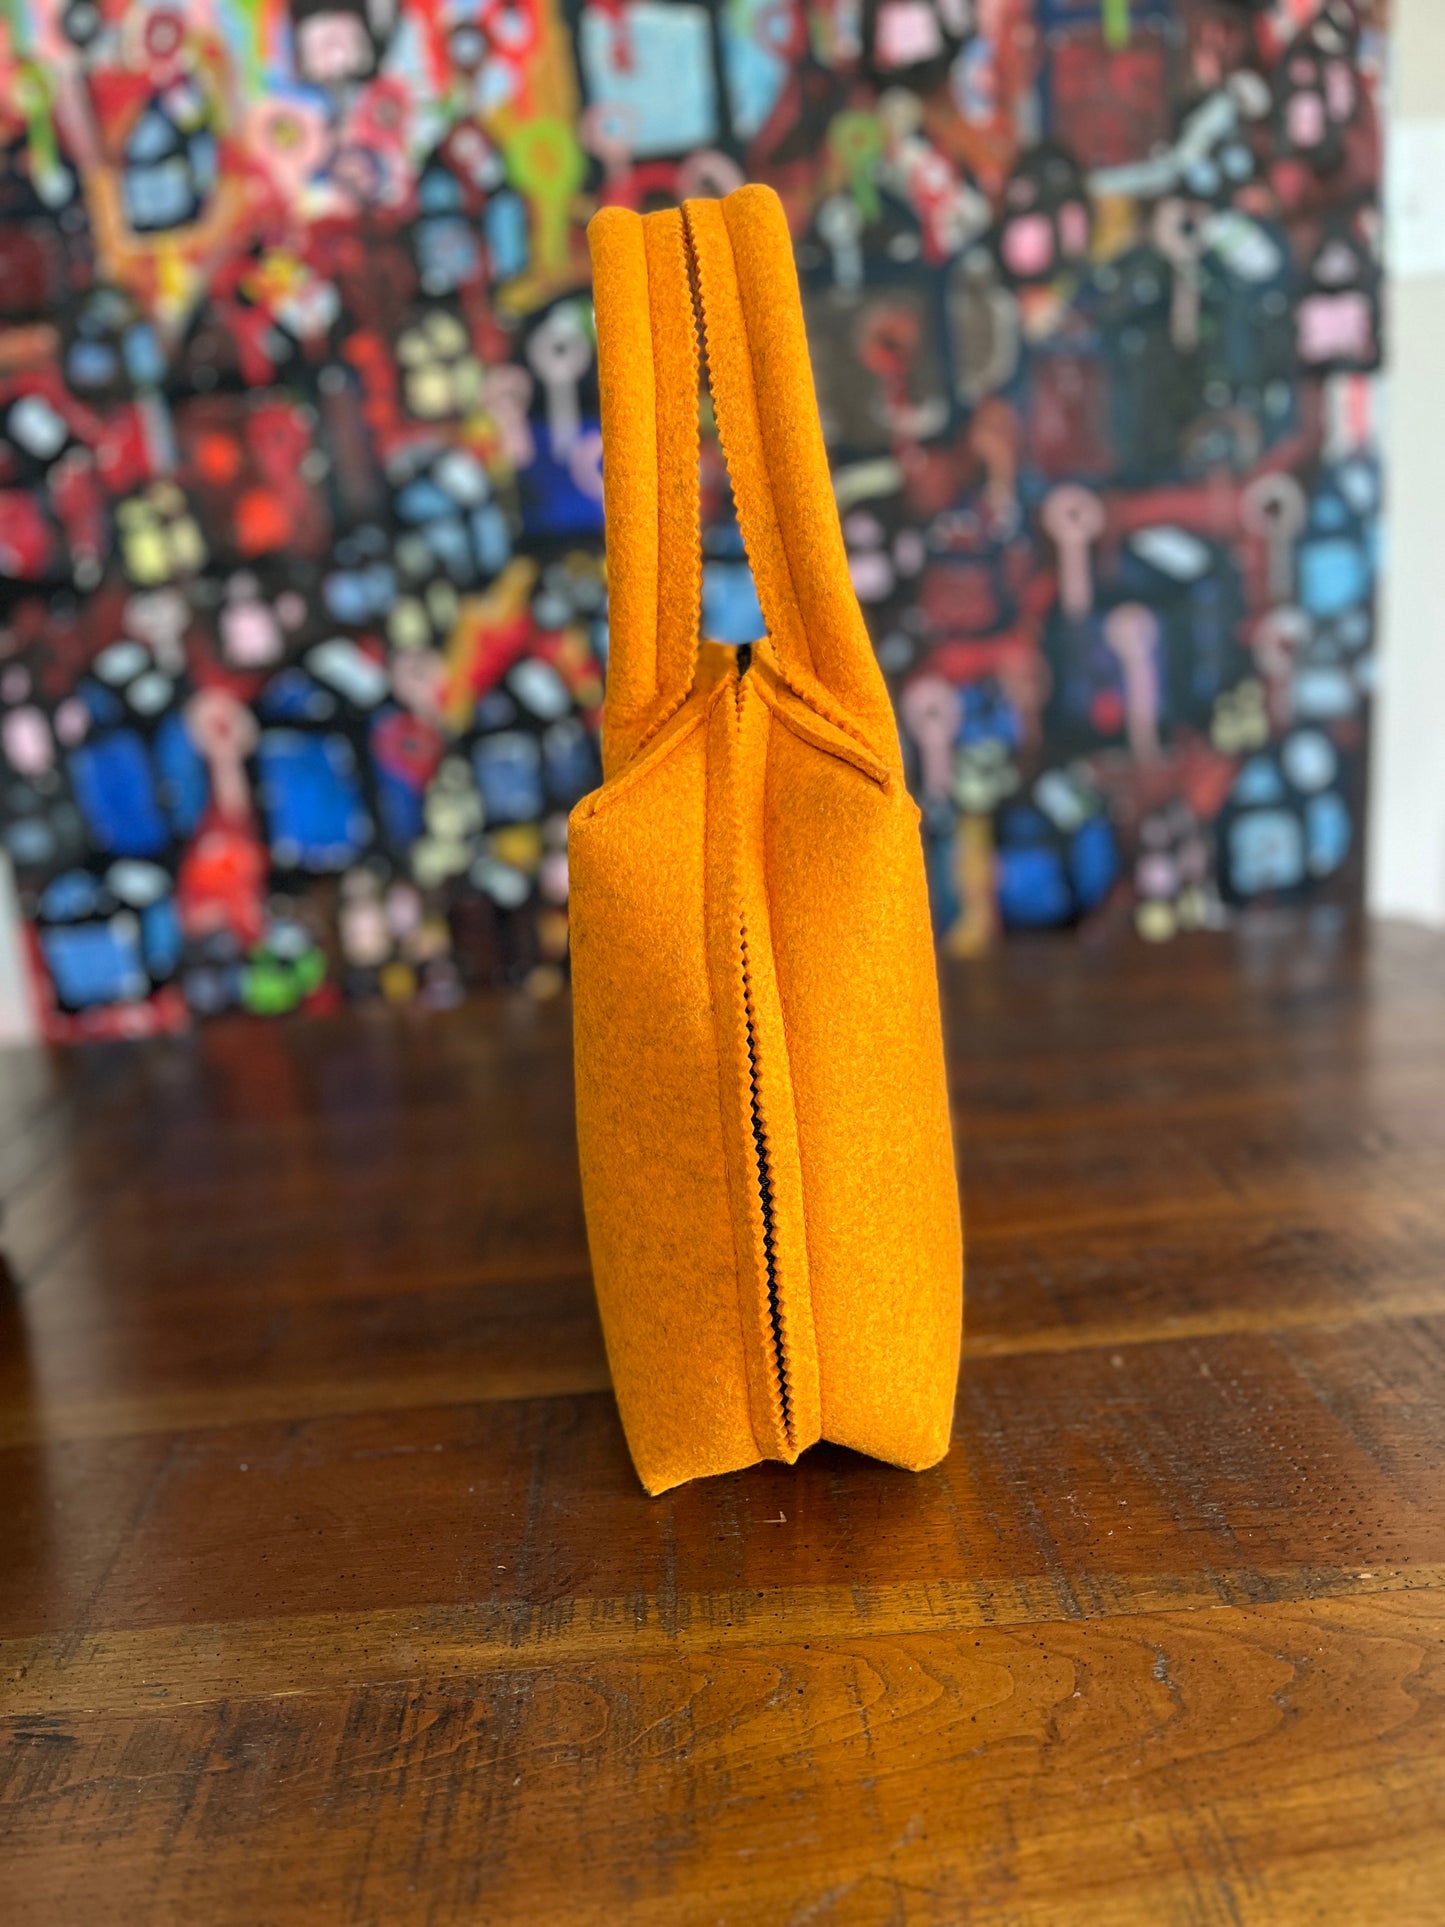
(647, 358)
(762, 393)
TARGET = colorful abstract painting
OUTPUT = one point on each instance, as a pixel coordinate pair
(302, 600)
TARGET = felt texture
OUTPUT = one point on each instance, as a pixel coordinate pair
(762, 1110)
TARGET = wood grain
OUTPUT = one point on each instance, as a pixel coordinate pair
(1064, 1771)
(328, 1592)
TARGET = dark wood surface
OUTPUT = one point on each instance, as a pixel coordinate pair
(327, 1592)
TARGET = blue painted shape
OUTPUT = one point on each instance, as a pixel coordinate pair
(294, 697)
(569, 760)
(552, 503)
(402, 816)
(73, 894)
(423, 501)
(1033, 891)
(1324, 692)
(144, 362)
(160, 932)
(359, 595)
(1329, 514)
(1328, 830)
(509, 775)
(752, 68)
(724, 541)
(973, 79)
(1266, 851)
(152, 138)
(1022, 823)
(181, 775)
(105, 707)
(505, 226)
(989, 716)
(203, 156)
(491, 539)
(448, 542)
(31, 842)
(91, 364)
(668, 94)
(1258, 782)
(439, 192)
(212, 988)
(96, 963)
(448, 253)
(1093, 861)
(1333, 575)
(315, 816)
(160, 197)
(117, 796)
(944, 896)
(730, 608)
(398, 798)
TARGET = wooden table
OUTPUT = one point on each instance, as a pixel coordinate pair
(327, 1592)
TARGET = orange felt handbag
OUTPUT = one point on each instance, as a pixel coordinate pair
(762, 1111)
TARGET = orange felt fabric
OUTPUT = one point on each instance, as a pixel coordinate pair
(762, 1111)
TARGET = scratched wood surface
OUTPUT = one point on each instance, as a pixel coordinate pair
(327, 1593)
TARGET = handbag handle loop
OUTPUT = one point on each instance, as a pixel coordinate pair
(762, 393)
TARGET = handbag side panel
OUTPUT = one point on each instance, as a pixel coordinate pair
(650, 1124)
(859, 990)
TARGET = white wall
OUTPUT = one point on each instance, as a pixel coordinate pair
(1407, 817)
(17, 1019)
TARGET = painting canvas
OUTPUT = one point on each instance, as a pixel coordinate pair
(303, 616)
